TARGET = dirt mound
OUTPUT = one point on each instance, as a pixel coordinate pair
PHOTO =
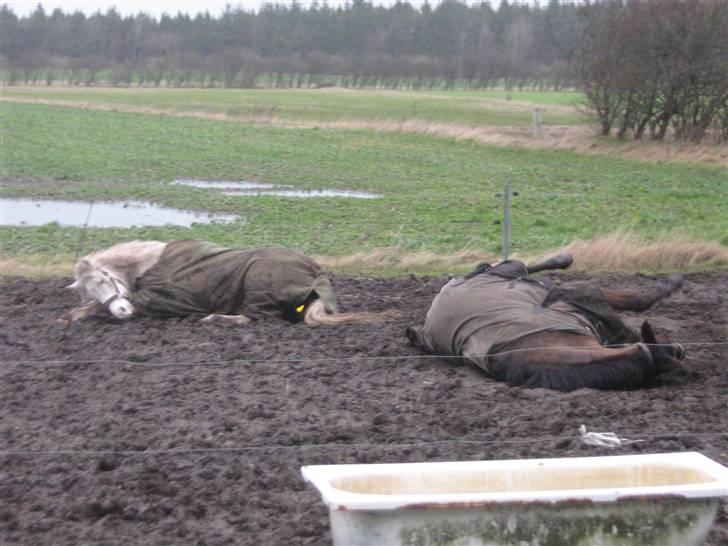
(175, 432)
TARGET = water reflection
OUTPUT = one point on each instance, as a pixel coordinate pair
(307, 193)
(224, 184)
(248, 189)
(38, 212)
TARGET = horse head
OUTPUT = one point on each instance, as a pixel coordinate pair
(101, 285)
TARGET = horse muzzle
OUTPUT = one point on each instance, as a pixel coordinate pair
(118, 306)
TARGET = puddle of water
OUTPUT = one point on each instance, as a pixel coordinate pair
(248, 189)
(224, 185)
(307, 193)
(39, 212)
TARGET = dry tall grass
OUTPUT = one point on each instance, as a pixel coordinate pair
(395, 260)
(616, 252)
(36, 267)
(622, 251)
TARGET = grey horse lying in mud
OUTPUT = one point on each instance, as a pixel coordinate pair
(529, 332)
(188, 278)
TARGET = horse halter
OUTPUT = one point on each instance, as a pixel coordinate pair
(119, 288)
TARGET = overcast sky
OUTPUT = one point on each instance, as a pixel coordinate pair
(158, 7)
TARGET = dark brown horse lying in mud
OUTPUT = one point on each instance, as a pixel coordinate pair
(530, 332)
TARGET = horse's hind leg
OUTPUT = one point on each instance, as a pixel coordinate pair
(235, 319)
(624, 300)
(514, 268)
(560, 261)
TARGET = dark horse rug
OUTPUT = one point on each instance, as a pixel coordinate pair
(197, 277)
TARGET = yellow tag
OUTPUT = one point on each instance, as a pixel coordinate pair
(300, 308)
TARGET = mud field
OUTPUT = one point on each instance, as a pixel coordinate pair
(175, 432)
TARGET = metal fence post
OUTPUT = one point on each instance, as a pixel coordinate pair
(506, 220)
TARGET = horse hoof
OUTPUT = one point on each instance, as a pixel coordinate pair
(678, 351)
(563, 261)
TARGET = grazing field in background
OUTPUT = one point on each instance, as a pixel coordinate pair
(440, 196)
(469, 108)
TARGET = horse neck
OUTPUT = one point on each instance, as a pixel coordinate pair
(148, 257)
(129, 261)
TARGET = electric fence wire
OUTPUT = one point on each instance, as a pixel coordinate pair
(240, 361)
(356, 445)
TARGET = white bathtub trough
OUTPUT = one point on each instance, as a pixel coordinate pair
(668, 499)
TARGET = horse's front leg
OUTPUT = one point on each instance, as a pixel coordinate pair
(569, 368)
(86, 310)
(565, 361)
(235, 319)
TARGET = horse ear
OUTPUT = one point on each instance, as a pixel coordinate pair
(648, 336)
(82, 266)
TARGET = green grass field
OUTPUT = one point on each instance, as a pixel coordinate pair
(439, 195)
(473, 109)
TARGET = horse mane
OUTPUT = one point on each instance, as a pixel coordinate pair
(316, 315)
(130, 260)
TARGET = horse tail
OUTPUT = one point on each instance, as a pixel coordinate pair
(316, 315)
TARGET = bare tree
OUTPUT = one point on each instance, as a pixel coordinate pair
(654, 64)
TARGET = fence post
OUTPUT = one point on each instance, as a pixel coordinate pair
(537, 123)
(506, 220)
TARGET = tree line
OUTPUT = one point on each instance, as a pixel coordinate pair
(647, 67)
(284, 45)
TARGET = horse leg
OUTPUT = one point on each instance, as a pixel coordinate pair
(560, 261)
(565, 361)
(235, 319)
(662, 350)
(623, 300)
(515, 268)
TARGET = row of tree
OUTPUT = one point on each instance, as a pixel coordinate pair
(358, 44)
(646, 66)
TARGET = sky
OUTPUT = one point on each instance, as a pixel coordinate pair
(158, 7)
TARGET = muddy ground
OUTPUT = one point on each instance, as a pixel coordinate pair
(174, 432)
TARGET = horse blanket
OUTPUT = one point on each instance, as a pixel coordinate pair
(196, 277)
(486, 311)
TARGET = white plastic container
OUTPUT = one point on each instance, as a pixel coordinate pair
(668, 500)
